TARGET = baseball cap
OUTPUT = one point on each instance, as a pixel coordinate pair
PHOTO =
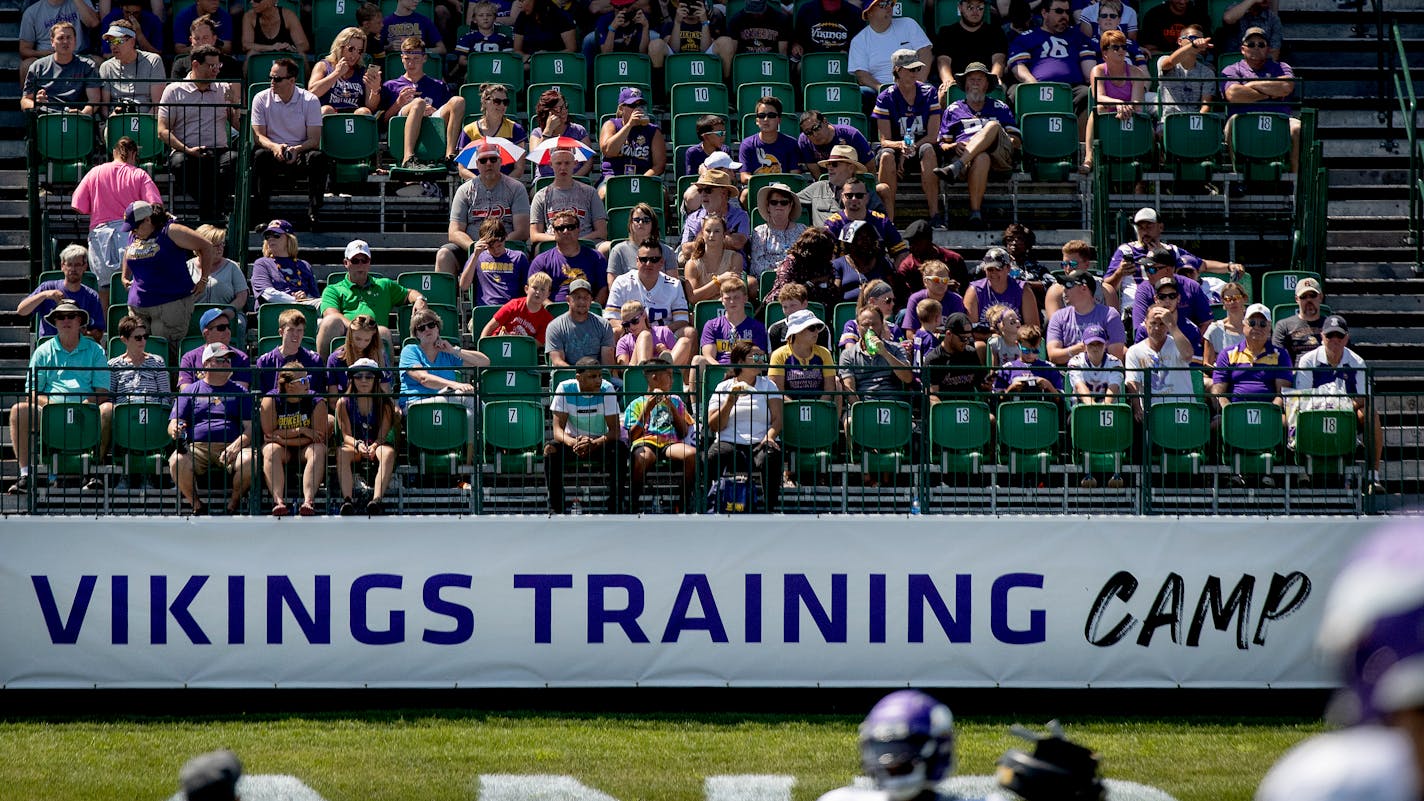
(1335, 324)
(1255, 30)
(958, 323)
(721, 160)
(996, 256)
(364, 365)
(1258, 308)
(919, 228)
(1167, 281)
(278, 226)
(631, 96)
(137, 212)
(212, 314)
(1145, 214)
(210, 775)
(489, 147)
(214, 350)
(1305, 285)
(906, 58)
(848, 232)
(1094, 334)
(580, 283)
(358, 247)
(119, 32)
(872, 4)
(1162, 256)
(800, 321)
(754, 6)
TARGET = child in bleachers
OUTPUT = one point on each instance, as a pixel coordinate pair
(373, 23)
(1003, 346)
(366, 419)
(527, 316)
(793, 298)
(642, 340)
(940, 287)
(1029, 372)
(406, 22)
(926, 337)
(484, 35)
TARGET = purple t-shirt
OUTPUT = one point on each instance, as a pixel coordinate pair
(636, 157)
(1066, 325)
(1193, 303)
(1012, 296)
(961, 122)
(270, 363)
(284, 275)
(213, 414)
(336, 375)
(852, 278)
(1241, 72)
(433, 90)
(499, 280)
(904, 115)
(663, 340)
(86, 299)
(951, 302)
(889, 234)
(160, 271)
(1053, 58)
(1191, 332)
(759, 157)
(191, 363)
(1246, 374)
(589, 264)
(694, 156)
(1019, 367)
(720, 332)
(844, 135)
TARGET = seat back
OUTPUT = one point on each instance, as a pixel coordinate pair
(1251, 426)
(700, 98)
(1028, 425)
(504, 67)
(1278, 287)
(625, 69)
(605, 96)
(1191, 144)
(1035, 98)
(1261, 145)
(618, 221)
(449, 320)
(844, 313)
(69, 433)
(142, 128)
(854, 119)
(1050, 144)
(513, 425)
(760, 68)
(140, 428)
(573, 96)
(65, 142)
(269, 312)
(259, 67)
(880, 425)
(441, 288)
(518, 351)
(1325, 433)
(328, 18)
(629, 190)
(821, 67)
(680, 68)
(1127, 145)
(959, 425)
(1180, 427)
(684, 129)
(430, 147)
(749, 93)
(558, 68)
(1102, 428)
(772, 313)
(352, 141)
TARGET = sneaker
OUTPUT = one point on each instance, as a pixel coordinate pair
(348, 508)
(20, 487)
(1088, 482)
(451, 166)
(1374, 487)
(1238, 481)
(1267, 482)
(1116, 481)
(413, 163)
(94, 484)
(938, 222)
(976, 223)
(375, 509)
(951, 171)
(430, 189)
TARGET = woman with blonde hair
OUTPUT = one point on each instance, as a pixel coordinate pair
(226, 283)
(279, 276)
(710, 261)
(363, 341)
(339, 81)
(494, 102)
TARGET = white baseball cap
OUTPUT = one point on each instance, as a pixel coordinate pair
(358, 246)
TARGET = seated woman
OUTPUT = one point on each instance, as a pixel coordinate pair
(1117, 85)
(879, 295)
(226, 283)
(363, 341)
(366, 417)
(494, 102)
(642, 341)
(745, 413)
(339, 81)
(550, 120)
(279, 276)
(293, 427)
(430, 370)
(710, 261)
(804, 369)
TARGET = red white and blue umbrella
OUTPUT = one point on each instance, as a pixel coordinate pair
(508, 151)
(540, 155)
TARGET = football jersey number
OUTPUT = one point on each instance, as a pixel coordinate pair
(1053, 48)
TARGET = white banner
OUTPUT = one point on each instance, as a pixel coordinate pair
(690, 601)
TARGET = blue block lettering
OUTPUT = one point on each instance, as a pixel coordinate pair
(599, 615)
(64, 632)
(797, 591)
(1037, 630)
(543, 585)
(463, 616)
(120, 610)
(923, 592)
(315, 624)
(710, 621)
(159, 609)
(395, 628)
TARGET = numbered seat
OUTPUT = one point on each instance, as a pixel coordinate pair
(513, 435)
(269, 312)
(630, 190)
(158, 346)
(627, 69)
(1126, 146)
(329, 17)
(946, 13)
(65, 143)
(1101, 436)
(512, 372)
(449, 319)
(879, 435)
(911, 9)
(436, 435)
(760, 68)
(681, 68)
(1179, 433)
(1278, 287)
(429, 148)
(959, 435)
(810, 430)
(69, 437)
(1261, 145)
(353, 143)
(824, 67)
(441, 288)
(565, 69)
(749, 93)
(684, 129)
(143, 129)
(1191, 145)
(853, 119)
(480, 315)
(699, 98)
(618, 221)
(796, 181)
(140, 434)
(1251, 435)
(1028, 435)
(1036, 98)
(573, 96)
(1325, 440)
(832, 97)
(1050, 144)
(506, 68)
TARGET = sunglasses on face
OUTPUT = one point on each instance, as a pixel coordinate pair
(852, 195)
(1334, 335)
(220, 326)
(650, 259)
(757, 358)
(997, 268)
(936, 279)
(138, 337)
(67, 316)
(220, 360)
(1068, 264)
(272, 235)
(565, 228)
(767, 115)
(1106, 15)
(1152, 269)
(642, 220)
(1027, 349)
(973, 6)
(1111, 48)
(1257, 45)
(814, 128)
(306, 379)
(1067, 285)
(499, 101)
(280, 78)
(1310, 296)
(489, 160)
(360, 259)
(1167, 296)
(1258, 323)
(633, 320)
(420, 329)
(363, 377)
(1233, 298)
(721, 132)
(778, 202)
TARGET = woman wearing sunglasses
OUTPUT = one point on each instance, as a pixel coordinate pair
(781, 226)
(366, 417)
(363, 341)
(745, 412)
(279, 276)
(551, 120)
(293, 427)
(494, 104)
(642, 226)
(1229, 330)
(1118, 86)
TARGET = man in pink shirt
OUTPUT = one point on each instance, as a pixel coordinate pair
(104, 194)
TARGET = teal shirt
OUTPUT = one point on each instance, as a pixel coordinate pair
(56, 371)
(376, 298)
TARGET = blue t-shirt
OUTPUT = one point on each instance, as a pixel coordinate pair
(413, 358)
(588, 264)
(1053, 57)
(907, 115)
(780, 156)
(844, 135)
(720, 333)
(213, 414)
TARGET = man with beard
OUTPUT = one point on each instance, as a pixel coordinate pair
(978, 134)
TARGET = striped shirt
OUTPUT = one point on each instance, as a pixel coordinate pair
(145, 383)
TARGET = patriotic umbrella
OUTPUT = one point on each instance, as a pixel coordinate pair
(508, 151)
(540, 155)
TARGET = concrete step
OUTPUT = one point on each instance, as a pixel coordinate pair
(1344, 176)
(1382, 276)
(1372, 239)
(1388, 336)
(1397, 302)
(1396, 208)
(1330, 121)
(1371, 150)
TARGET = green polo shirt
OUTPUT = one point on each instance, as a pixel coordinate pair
(376, 298)
(56, 371)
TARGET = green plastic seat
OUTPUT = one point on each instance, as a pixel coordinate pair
(441, 288)
(1050, 144)
(946, 13)
(796, 181)
(329, 17)
(449, 319)
(65, 143)
(259, 67)
(1261, 145)
(1028, 435)
(514, 434)
(618, 221)
(627, 69)
(512, 363)
(749, 93)
(1278, 287)
(143, 129)
(69, 437)
(854, 119)
(1251, 436)
(810, 431)
(353, 143)
(269, 312)
(558, 68)
(573, 96)
(429, 148)
(1102, 436)
(1179, 434)
(635, 383)
(681, 68)
(772, 313)
(158, 346)
(1191, 144)
(959, 435)
(1126, 146)
(88, 279)
(1325, 440)
(140, 434)
(832, 97)
(1036, 98)
(436, 435)
(605, 97)
(504, 67)
(684, 129)
(708, 310)
(760, 68)
(622, 191)
(844, 313)
(700, 98)
(823, 67)
(879, 435)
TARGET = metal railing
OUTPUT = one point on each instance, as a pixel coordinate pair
(1409, 109)
(907, 452)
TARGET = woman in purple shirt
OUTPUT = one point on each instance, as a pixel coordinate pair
(161, 290)
(551, 118)
(632, 143)
(997, 288)
(279, 276)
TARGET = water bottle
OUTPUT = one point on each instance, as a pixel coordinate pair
(577, 508)
(1016, 272)
(909, 138)
(914, 506)
(872, 343)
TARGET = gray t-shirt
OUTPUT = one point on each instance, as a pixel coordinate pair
(873, 374)
(474, 203)
(623, 258)
(578, 340)
(580, 198)
(40, 17)
(134, 81)
(1186, 96)
(64, 84)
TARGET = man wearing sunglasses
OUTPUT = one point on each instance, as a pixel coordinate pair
(1125, 272)
(194, 117)
(1244, 15)
(1057, 52)
(70, 368)
(1334, 363)
(661, 295)
(1160, 265)
(361, 292)
(490, 195)
(570, 260)
(216, 325)
(1081, 310)
(1195, 86)
(1260, 83)
(286, 124)
(1169, 296)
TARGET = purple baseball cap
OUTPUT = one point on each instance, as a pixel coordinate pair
(1094, 334)
(631, 96)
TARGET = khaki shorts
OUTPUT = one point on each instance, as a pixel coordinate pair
(205, 454)
(169, 320)
(1001, 158)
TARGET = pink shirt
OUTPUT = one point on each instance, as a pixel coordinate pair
(106, 191)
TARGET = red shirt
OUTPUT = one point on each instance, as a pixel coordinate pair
(515, 318)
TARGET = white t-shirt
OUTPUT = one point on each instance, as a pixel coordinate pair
(586, 411)
(750, 417)
(1096, 379)
(871, 51)
(1146, 365)
(665, 303)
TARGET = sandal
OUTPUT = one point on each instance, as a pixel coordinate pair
(281, 510)
(306, 509)
(1086, 168)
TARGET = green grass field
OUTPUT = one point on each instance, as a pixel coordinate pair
(437, 756)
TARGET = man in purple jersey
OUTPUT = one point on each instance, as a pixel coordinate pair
(768, 151)
(570, 260)
(212, 422)
(1056, 52)
(216, 325)
(819, 136)
(855, 206)
(1260, 83)
(1080, 310)
(415, 96)
(1194, 303)
(978, 134)
(907, 116)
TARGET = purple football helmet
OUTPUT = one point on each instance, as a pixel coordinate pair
(907, 743)
(1373, 625)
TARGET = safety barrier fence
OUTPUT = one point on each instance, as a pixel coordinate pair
(1409, 110)
(1162, 445)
